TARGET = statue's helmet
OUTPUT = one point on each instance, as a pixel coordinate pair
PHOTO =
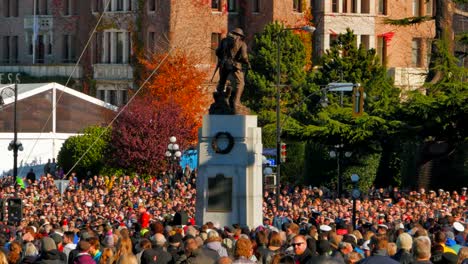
(238, 31)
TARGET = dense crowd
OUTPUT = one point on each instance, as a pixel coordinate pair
(129, 220)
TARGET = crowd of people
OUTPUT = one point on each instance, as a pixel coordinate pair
(129, 220)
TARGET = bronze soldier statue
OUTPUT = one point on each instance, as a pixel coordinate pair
(232, 54)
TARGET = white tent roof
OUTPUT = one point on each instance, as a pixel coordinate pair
(29, 89)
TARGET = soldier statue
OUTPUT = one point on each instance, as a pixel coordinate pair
(232, 54)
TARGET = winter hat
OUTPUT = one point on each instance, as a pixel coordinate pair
(404, 241)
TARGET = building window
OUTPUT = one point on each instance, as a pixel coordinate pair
(120, 51)
(152, 5)
(95, 6)
(215, 40)
(41, 7)
(232, 5)
(429, 7)
(354, 8)
(69, 7)
(6, 49)
(124, 97)
(382, 50)
(216, 5)
(68, 48)
(344, 8)
(40, 49)
(333, 39)
(6, 8)
(30, 41)
(120, 6)
(416, 8)
(151, 41)
(365, 41)
(416, 53)
(102, 95)
(297, 6)
(256, 6)
(428, 51)
(365, 7)
(382, 7)
(14, 46)
(116, 47)
(10, 8)
(112, 97)
(335, 6)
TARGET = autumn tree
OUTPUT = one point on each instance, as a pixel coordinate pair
(176, 81)
(141, 133)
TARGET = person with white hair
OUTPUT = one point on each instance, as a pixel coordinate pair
(422, 250)
(213, 242)
(30, 253)
(404, 244)
(157, 251)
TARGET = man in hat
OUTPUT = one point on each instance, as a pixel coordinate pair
(232, 53)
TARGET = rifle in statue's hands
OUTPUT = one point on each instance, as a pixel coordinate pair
(215, 71)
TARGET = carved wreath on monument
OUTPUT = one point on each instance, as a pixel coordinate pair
(222, 142)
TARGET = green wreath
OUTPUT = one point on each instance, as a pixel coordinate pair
(214, 143)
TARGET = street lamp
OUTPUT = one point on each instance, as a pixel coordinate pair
(337, 153)
(309, 29)
(14, 145)
(173, 154)
(356, 193)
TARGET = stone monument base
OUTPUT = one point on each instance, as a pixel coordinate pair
(229, 181)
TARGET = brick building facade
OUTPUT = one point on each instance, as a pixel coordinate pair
(194, 25)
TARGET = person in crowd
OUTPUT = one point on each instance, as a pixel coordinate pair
(243, 251)
(379, 255)
(84, 257)
(68, 238)
(301, 253)
(3, 258)
(422, 250)
(49, 253)
(404, 244)
(14, 256)
(157, 253)
(196, 255)
(107, 256)
(213, 242)
(344, 249)
(30, 253)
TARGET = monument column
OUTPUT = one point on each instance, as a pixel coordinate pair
(229, 181)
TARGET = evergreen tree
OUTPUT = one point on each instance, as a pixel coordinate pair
(345, 62)
(261, 81)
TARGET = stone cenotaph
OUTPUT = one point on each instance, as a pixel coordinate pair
(229, 182)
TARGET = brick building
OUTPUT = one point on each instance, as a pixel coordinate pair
(404, 50)
(194, 25)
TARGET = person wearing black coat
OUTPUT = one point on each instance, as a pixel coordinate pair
(156, 254)
(49, 253)
(302, 253)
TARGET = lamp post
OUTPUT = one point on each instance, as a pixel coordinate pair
(14, 145)
(356, 193)
(309, 29)
(338, 154)
(173, 153)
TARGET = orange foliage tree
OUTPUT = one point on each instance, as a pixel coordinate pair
(177, 81)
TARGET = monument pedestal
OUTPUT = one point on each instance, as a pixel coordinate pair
(229, 181)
